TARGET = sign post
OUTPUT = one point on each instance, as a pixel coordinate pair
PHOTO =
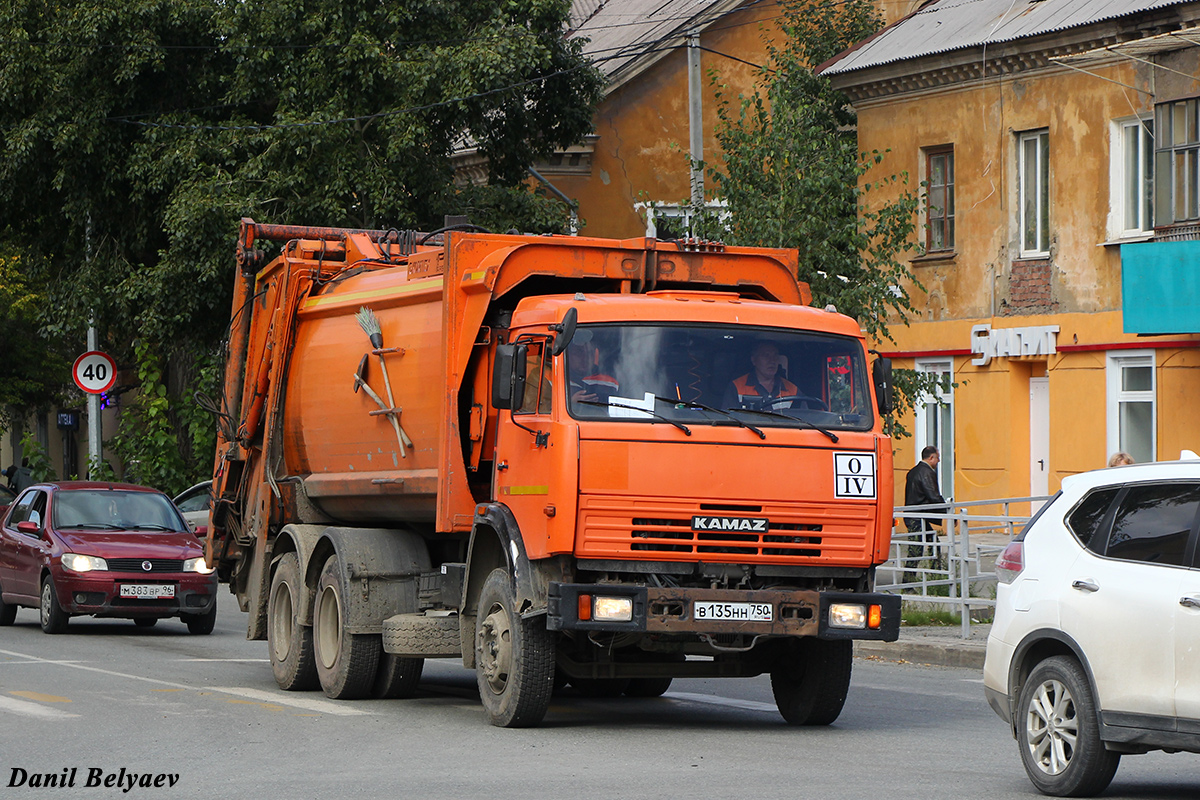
(95, 373)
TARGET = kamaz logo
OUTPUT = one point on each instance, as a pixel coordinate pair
(756, 524)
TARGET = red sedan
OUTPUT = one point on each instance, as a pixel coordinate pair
(106, 550)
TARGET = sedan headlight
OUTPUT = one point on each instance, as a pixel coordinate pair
(77, 563)
(197, 565)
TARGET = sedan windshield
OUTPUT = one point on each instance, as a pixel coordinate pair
(103, 509)
(718, 375)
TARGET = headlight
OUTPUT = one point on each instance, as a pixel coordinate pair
(847, 615)
(78, 563)
(612, 609)
(197, 565)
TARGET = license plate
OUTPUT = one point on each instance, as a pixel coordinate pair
(734, 612)
(147, 591)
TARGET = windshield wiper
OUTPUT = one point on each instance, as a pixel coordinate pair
(679, 425)
(148, 528)
(702, 407)
(832, 436)
(104, 526)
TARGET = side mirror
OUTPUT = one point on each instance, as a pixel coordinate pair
(508, 375)
(566, 331)
(32, 528)
(884, 391)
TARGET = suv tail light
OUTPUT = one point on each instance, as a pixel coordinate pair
(1010, 562)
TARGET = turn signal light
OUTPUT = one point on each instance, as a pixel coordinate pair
(585, 607)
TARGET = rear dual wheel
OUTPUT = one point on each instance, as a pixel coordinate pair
(289, 643)
(346, 663)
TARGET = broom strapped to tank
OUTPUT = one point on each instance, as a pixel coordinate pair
(370, 324)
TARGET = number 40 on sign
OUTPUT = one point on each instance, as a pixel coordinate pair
(95, 372)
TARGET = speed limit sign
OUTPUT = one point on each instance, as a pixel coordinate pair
(95, 372)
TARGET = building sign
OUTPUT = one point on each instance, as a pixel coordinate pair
(987, 343)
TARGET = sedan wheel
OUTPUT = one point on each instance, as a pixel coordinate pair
(1059, 732)
(54, 619)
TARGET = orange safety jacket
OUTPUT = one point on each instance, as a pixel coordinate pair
(755, 395)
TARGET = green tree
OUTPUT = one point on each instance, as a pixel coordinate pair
(33, 369)
(136, 133)
(792, 176)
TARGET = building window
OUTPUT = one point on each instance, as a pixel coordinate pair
(1033, 201)
(939, 209)
(935, 420)
(1132, 182)
(1132, 414)
(1176, 162)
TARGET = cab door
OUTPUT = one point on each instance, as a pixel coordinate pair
(533, 476)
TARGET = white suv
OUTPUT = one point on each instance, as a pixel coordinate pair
(1095, 648)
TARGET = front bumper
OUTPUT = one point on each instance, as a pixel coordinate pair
(795, 612)
(98, 594)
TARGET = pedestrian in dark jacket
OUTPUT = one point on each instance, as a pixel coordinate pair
(921, 489)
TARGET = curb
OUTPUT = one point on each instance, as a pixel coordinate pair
(942, 654)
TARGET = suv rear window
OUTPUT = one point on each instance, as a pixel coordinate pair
(1085, 520)
(1154, 522)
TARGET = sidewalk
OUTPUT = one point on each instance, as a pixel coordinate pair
(931, 644)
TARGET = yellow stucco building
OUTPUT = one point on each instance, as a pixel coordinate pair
(1058, 146)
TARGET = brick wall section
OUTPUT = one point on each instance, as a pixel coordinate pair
(1029, 288)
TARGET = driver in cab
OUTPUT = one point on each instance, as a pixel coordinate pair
(764, 388)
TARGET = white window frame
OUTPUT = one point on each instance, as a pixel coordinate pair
(1039, 184)
(655, 210)
(1115, 395)
(945, 414)
(1137, 134)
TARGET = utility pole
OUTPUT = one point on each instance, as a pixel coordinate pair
(695, 119)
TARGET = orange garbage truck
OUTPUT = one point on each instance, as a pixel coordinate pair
(562, 460)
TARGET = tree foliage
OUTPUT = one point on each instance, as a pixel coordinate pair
(134, 134)
(33, 369)
(792, 176)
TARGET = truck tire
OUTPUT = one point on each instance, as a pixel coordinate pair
(601, 687)
(397, 677)
(811, 679)
(647, 687)
(289, 643)
(514, 658)
(346, 662)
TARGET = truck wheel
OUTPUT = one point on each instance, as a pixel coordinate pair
(289, 643)
(346, 662)
(514, 658)
(397, 677)
(811, 679)
(1058, 732)
(54, 619)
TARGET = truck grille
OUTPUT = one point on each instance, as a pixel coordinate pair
(795, 533)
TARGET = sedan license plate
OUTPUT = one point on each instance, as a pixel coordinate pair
(734, 612)
(147, 591)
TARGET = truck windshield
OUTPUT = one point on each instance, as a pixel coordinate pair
(718, 375)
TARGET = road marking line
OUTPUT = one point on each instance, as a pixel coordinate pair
(749, 705)
(44, 698)
(324, 706)
(308, 704)
(28, 709)
(239, 660)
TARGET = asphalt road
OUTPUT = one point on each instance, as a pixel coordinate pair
(202, 715)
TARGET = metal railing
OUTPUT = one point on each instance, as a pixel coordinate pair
(956, 566)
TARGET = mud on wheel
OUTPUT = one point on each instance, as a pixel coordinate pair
(346, 662)
(514, 658)
(289, 643)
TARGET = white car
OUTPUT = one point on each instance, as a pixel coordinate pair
(193, 504)
(1093, 651)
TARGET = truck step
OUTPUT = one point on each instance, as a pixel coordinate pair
(421, 636)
